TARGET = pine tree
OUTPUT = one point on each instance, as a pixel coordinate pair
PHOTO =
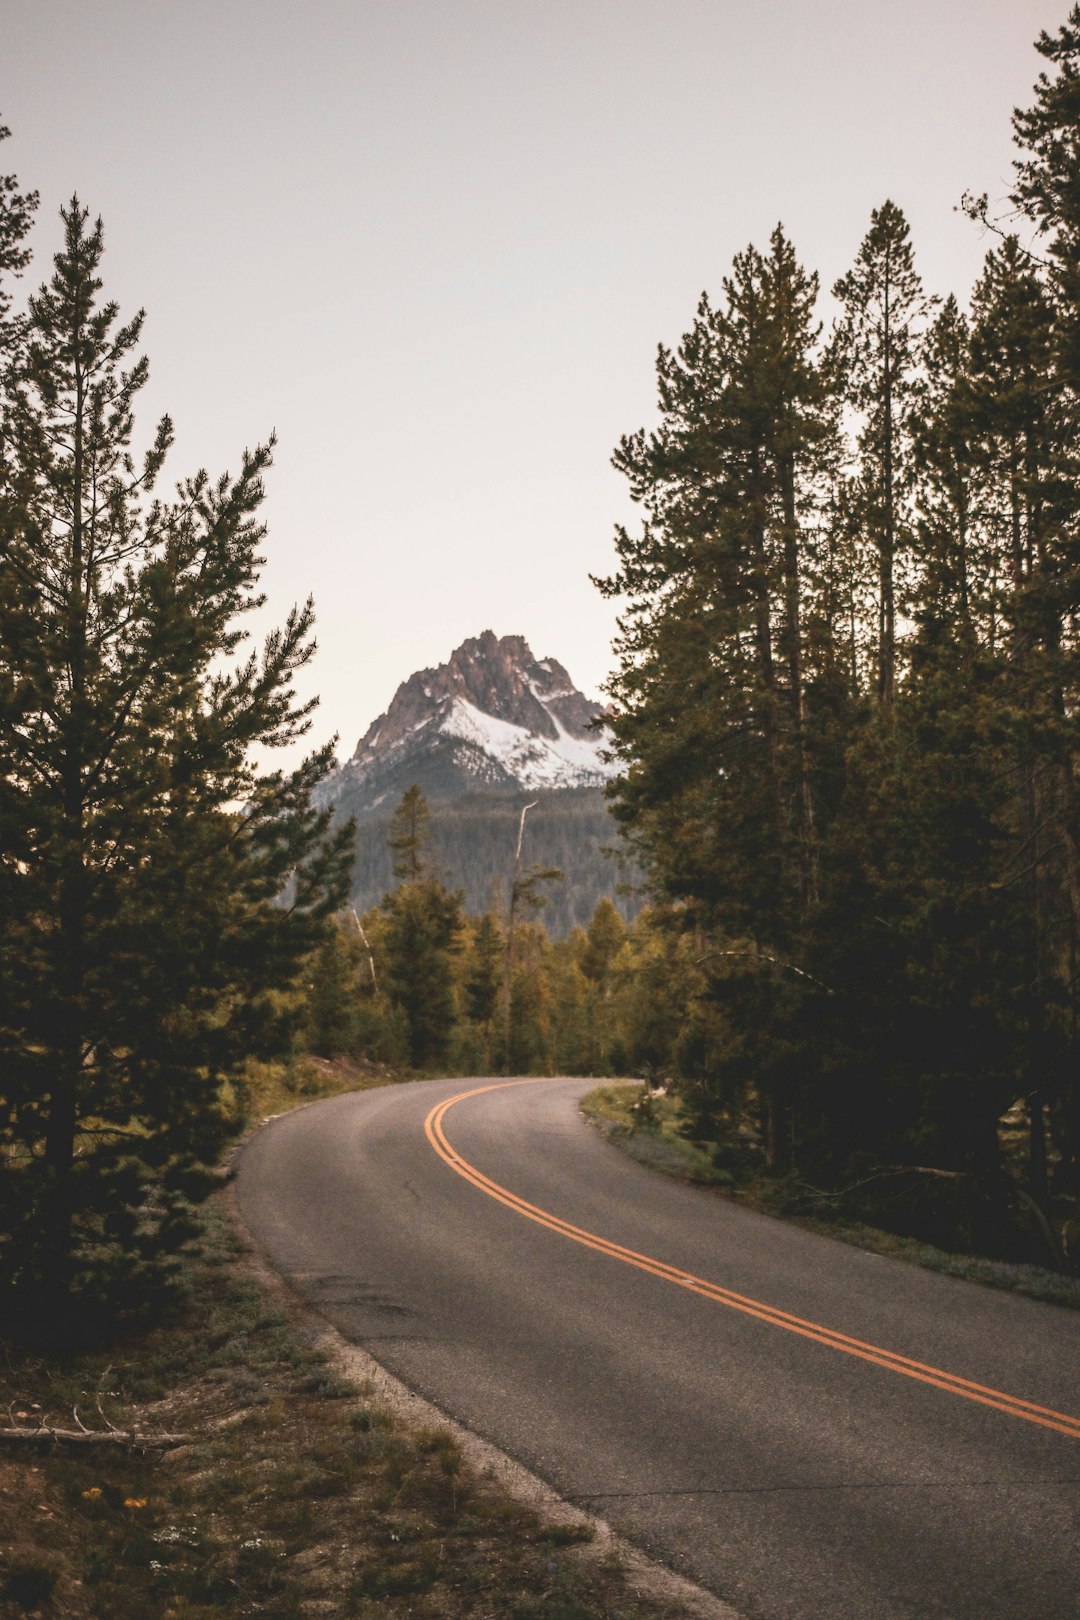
(1047, 177)
(483, 979)
(411, 837)
(332, 1001)
(423, 920)
(1047, 191)
(952, 593)
(1024, 412)
(724, 646)
(143, 855)
(603, 941)
(877, 351)
(720, 643)
(17, 210)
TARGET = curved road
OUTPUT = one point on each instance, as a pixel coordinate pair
(810, 1431)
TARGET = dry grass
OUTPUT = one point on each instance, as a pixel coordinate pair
(276, 1087)
(647, 1125)
(298, 1495)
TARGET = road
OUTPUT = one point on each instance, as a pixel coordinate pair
(810, 1431)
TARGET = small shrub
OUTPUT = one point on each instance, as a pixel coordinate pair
(567, 1535)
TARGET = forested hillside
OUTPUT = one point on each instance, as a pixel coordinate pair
(473, 841)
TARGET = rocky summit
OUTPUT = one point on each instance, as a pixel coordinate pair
(478, 734)
(491, 716)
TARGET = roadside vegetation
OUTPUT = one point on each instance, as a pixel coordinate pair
(294, 1492)
(885, 1216)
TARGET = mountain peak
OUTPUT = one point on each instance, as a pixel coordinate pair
(476, 734)
(492, 715)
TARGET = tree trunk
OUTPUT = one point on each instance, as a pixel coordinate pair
(759, 584)
(1037, 1177)
(887, 544)
(793, 631)
(508, 974)
(777, 1131)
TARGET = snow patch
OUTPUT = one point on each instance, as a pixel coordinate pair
(533, 761)
(545, 698)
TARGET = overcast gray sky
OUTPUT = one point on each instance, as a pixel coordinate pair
(434, 243)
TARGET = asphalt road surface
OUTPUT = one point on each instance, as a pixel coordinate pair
(810, 1431)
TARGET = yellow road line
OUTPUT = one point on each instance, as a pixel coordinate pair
(1013, 1405)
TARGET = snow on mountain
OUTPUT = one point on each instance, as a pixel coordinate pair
(479, 735)
(491, 716)
(533, 762)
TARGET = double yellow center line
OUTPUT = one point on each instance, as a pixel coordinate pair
(1012, 1405)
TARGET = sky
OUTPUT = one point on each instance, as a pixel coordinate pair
(433, 245)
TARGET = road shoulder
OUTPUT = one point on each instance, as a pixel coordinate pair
(647, 1581)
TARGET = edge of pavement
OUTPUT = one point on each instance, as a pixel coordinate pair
(647, 1577)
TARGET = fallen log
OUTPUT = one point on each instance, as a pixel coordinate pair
(45, 1435)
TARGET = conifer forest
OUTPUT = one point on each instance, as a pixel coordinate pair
(845, 708)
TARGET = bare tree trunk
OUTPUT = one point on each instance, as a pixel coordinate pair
(508, 973)
(367, 948)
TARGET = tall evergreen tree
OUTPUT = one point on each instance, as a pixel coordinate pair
(877, 352)
(710, 692)
(411, 837)
(1022, 422)
(1047, 191)
(423, 920)
(17, 210)
(333, 992)
(602, 943)
(952, 594)
(723, 644)
(1047, 176)
(143, 852)
(483, 979)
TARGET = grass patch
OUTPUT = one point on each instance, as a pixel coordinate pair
(647, 1126)
(282, 1084)
(298, 1494)
(1035, 1282)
